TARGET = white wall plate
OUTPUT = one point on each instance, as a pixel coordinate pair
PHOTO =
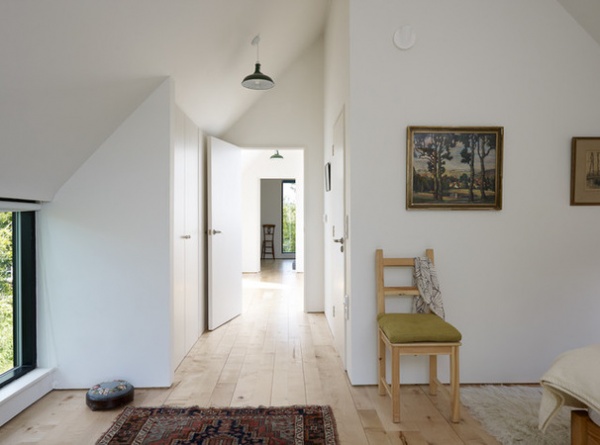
(405, 37)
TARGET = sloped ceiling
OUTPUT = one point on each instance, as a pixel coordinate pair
(72, 70)
(586, 13)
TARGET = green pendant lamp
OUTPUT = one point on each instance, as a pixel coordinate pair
(257, 80)
(276, 155)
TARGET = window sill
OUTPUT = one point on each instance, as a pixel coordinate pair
(18, 395)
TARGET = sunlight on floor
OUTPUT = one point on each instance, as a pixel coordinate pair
(277, 282)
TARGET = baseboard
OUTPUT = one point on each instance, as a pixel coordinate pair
(21, 393)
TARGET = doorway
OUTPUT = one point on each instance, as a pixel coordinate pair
(259, 169)
(245, 177)
(260, 174)
(278, 207)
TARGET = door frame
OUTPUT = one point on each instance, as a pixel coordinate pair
(342, 308)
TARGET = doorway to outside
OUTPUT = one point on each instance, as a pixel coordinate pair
(288, 216)
(278, 207)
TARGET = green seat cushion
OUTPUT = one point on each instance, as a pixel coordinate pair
(417, 328)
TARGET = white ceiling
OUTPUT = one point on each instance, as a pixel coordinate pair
(72, 70)
(587, 14)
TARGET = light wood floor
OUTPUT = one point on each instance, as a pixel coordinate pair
(274, 354)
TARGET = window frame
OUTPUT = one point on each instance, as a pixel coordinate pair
(24, 297)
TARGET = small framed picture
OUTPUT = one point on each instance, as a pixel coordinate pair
(585, 171)
(454, 168)
(328, 177)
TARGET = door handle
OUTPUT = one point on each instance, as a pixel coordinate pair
(186, 236)
(214, 232)
(339, 240)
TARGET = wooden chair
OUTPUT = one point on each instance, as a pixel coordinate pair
(267, 244)
(412, 334)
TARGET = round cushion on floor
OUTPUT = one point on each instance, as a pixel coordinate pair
(108, 395)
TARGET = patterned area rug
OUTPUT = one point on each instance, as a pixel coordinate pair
(296, 425)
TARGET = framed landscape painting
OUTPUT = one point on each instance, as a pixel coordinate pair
(585, 171)
(454, 168)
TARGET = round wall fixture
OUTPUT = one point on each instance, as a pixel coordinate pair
(405, 37)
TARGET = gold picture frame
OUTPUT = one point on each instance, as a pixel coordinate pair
(454, 168)
(585, 171)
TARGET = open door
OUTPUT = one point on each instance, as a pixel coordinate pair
(224, 214)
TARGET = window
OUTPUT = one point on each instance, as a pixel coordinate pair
(288, 216)
(17, 295)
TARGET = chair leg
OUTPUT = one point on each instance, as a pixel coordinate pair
(381, 382)
(395, 385)
(455, 385)
(433, 375)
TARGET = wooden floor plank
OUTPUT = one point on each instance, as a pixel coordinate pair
(255, 381)
(469, 429)
(274, 354)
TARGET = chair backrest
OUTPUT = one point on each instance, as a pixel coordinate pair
(268, 229)
(381, 263)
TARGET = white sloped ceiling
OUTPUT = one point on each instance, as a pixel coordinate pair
(71, 71)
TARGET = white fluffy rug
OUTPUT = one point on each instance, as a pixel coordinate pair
(510, 414)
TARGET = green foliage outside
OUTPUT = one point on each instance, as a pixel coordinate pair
(289, 218)
(6, 293)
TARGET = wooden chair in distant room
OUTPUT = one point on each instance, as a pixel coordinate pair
(412, 334)
(268, 239)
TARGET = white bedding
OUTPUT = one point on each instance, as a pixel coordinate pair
(572, 380)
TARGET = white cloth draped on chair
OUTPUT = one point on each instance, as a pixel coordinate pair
(430, 298)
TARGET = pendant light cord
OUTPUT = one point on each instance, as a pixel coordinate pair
(255, 42)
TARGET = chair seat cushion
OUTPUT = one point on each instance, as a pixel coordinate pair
(417, 328)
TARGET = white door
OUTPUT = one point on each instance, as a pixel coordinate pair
(192, 233)
(338, 237)
(224, 214)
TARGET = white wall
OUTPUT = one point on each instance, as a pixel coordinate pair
(291, 115)
(522, 284)
(104, 275)
(256, 165)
